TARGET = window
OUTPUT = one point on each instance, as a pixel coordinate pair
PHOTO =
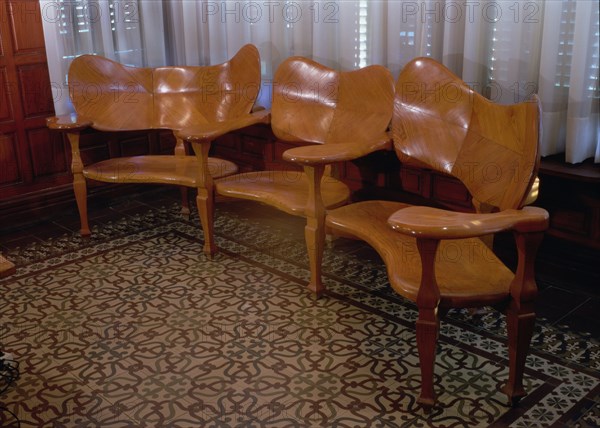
(85, 24)
(362, 46)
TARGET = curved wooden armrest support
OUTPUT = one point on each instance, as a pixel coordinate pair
(335, 152)
(208, 132)
(433, 223)
(68, 122)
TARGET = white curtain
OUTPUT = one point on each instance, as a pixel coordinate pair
(507, 50)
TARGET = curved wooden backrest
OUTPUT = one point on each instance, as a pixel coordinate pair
(440, 123)
(117, 97)
(313, 103)
(111, 95)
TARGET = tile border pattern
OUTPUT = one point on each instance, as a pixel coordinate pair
(566, 364)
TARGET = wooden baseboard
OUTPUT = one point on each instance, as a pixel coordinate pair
(31, 207)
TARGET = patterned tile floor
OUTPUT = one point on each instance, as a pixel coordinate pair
(135, 328)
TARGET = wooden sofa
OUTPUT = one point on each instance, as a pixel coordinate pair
(108, 96)
(439, 258)
(344, 115)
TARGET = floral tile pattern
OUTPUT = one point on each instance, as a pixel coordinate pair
(136, 328)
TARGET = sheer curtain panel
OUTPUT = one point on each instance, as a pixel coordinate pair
(507, 50)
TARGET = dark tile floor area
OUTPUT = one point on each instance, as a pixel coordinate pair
(568, 276)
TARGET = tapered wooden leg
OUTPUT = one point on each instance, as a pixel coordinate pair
(314, 234)
(520, 315)
(520, 330)
(185, 204)
(6, 267)
(428, 324)
(80, 188)
(427, 334)
(181, 150)
(205, 200)
(205, 204)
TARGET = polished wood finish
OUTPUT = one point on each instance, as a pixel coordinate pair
(458, 268)
(287, 191)
(426, 222)
(438, 258)
(31, 157)
(568, 192)
(344, 115)
(208, 101)
(485, 145)
(329, 153)
(312, 103)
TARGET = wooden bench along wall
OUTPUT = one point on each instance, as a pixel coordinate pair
(569, 192)
(35, 177)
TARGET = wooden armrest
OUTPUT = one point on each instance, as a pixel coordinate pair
(434, 223)
(208, 132)
(68, 122)
(336, 152)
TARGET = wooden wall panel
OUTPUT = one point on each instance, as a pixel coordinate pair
(227, 147)
(571, 194)
(139, 145)
(166, 142)
(9, 170)
(252, 148)
(25, 26)
(449, 190)
(48, 152)
(31, 159)
(36, 94)
(6, 107)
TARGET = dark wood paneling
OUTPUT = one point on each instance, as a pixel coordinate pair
(139, 145)
(228, 147)
(412, 180)
(253, 148)
(279, 148)
(25, 26)
(571, 221)
(166, 142)
(36, 92)
(2, 21)
(449, 190)
(6, 108)
(571, 193)
(48, 152)
(9, 162)
(26, 98)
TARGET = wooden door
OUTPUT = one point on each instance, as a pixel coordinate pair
(31, 157)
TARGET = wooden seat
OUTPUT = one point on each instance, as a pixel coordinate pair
(111, 97)
(178, 170)
(438, 258)
(286, 190)
(461, 284)
(343, 115)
